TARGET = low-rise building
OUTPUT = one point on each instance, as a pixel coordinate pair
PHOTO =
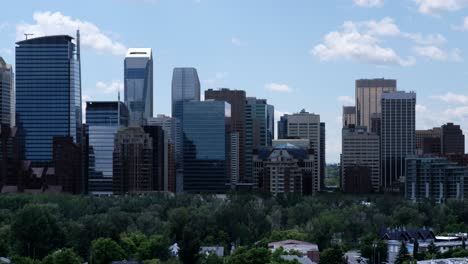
(305, 248)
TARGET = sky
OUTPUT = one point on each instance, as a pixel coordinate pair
(297, 54)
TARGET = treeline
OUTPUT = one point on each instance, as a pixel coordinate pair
(51, 228)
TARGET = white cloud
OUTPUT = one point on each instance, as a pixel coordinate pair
(48, 23)
(238, 42)
(347, 100)
(452, 98)
(4, 25)
(364, 47)
(431, 39)
(112, 87)
(437, 6)
(85, 98)
(277, 87)
(459, 113)
(369, 3)
(421, 108)
(438, 54)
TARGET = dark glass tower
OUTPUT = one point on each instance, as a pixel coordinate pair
(48, 96)
(452, 140)
(102, 123)
(206, 146)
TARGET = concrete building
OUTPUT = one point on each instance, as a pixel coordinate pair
(306, 125)
(362, 149)
(305, 248)
(237, 100)
(429, 141)
(138, 77)
(453, 140)
(133, 161)
(368, 98)
(435, 178)
(349, 116)
(284, 169)
(397, 137)
(7, 94)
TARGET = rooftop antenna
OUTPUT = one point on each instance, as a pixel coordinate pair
(27, 34)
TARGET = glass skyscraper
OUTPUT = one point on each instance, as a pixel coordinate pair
(138, 71)
(102, 123)
(48, 96)
(6, 94)
(206, 146)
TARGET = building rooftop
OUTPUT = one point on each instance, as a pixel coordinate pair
(46, 40)
(139, 53)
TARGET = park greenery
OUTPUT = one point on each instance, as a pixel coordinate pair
(56, 229)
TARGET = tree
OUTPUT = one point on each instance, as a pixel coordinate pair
(374, 249)
(189, 246)
(105, 250)
(431, 248)
(416, 249)
(463, 243)
(36, 231)
(156, 247)
(254, 255)
(62, 256)
(403, 254)
(332, 255)
(24, 260)
(211, 259)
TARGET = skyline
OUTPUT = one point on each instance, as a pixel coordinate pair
(281, 52)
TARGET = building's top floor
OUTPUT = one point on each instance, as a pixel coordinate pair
(399, 95)
(57, 39)
(382, 82)
(139, 53)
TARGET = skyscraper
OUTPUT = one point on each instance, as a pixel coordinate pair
(237, 100)
(48, 96)
(349, 116)
(185, 88)
(133, 161)
(368, 94)
(306, 125)
(398, 136)
(103, 120)
(206, 146)
(138, 75)
(452, 139)
(7, 92)
(360, 148)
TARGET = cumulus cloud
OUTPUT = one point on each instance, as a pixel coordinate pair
(238, 42)
(437, 6)
(112, 87)
(346, 100)
(438, 54)
(369, 3)
(452, 98)
(460, 113)
(359, 42)
(48, 23)
(430, 39)
(278, 87)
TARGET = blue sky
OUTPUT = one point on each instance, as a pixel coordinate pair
(297, 54)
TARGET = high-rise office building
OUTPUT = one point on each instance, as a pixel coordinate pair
(7, 93)
(349, 116)
(103, 120)
(10, 162)
(68, 165)
(397, 136)
(138, 76)
(452, 139)
(435, 178)
(160, 159)
(360, 148)
(207, 140)
(48, 94)
(306, 125)
(270, 124)
(323, 163)
(368, 98)
(133, 161)
(283, 127)
(185, 88)
(428, 141)
(237, 100)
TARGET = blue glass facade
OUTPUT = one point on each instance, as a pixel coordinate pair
(139, 85)
(206, 130)
(48, 96)
(102, 124)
